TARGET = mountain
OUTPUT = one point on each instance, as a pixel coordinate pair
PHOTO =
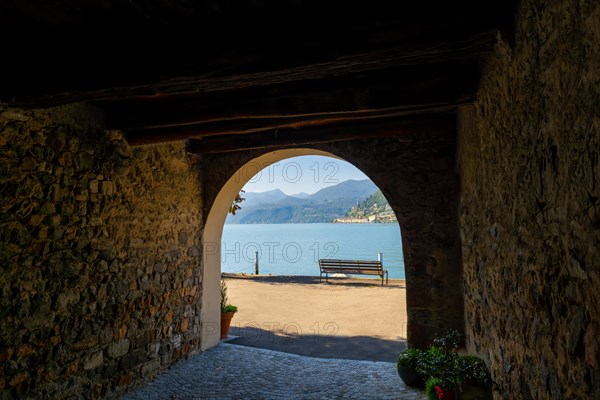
(375, 209)
(342, 192)
(300, 195)
(252, 199)
(325, 205)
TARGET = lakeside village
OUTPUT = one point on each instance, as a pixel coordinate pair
(375, 209)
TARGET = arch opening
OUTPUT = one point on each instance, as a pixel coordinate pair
(213, 233)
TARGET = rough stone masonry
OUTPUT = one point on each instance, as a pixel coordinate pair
(529, 210)
(100, 282)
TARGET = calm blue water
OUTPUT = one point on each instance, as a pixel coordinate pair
(295, 249)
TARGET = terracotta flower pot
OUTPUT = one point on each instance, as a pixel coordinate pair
(225, 322)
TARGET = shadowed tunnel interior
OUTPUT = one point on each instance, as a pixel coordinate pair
(121, 124)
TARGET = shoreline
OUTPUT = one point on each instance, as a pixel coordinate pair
(308, 223)
(351, 280)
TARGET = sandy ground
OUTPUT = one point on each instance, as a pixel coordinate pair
(345, 318)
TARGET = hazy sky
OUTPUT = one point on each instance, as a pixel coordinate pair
(306, 174)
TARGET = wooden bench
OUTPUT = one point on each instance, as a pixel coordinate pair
(352, 267)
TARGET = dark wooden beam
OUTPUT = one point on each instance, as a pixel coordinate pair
(407, 86)
(222, 81)
(245, 126)
(407, 128)
(79, 50)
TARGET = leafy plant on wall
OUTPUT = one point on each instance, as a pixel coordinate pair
(235, 204)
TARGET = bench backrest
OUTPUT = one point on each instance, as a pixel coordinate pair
(366, 265)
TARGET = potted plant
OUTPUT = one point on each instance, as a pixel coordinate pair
(443, 379)
(439, 362)
(408, 364)
(450, 375)
(436, 388)
(227, 311)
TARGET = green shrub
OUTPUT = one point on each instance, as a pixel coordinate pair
(411, 357)
(443, 362)
(473, 369)
(430, 388)
(225, 306)
(229, 308)
(442, 366)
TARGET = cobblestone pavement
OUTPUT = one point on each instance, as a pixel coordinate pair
(231, 371)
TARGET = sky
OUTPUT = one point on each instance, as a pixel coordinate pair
(307, 174)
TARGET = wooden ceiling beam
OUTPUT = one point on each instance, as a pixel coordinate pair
(413, 86)
(217, 81)
(245, 126)
(409, 129)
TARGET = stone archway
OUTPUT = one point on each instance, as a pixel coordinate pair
(418, 179)
(213, 231)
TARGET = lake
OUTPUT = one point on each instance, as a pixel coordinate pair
(295, 249)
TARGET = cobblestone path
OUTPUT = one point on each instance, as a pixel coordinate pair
(238, 372)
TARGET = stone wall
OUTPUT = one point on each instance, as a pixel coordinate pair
(529, 209)
(419, 181)
(100, 275)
